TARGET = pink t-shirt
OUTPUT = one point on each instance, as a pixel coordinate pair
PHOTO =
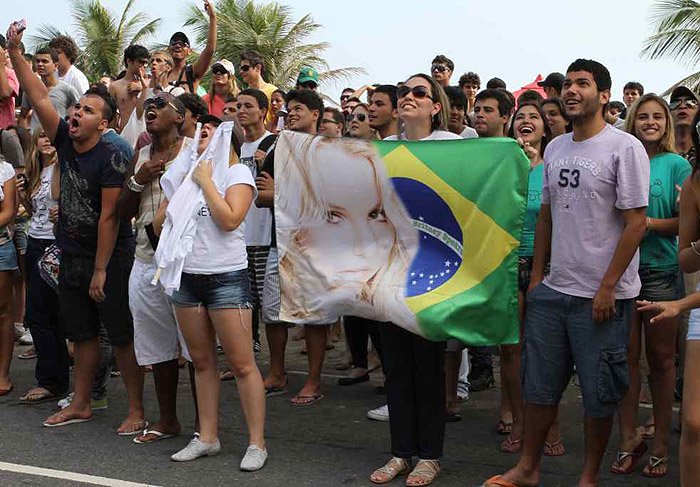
(588, 184)
(7, 107)
(216, 107)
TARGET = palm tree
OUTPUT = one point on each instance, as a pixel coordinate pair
(677, 37)
(269, 29)
(102, 36)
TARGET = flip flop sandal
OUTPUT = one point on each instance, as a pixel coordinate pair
(227, 375)
(549, 446)
(5, 392)
(453, 417)
(44, 396)
(504, 428)
(635, 455)
(499, 481)
(273, 391)
(645, 431)
(143, 426)
(391, 472)
(67, 422)
(425, 473)
(157, 436)
(653, 463)
(312, 399)
(28, 355)
(510, 445)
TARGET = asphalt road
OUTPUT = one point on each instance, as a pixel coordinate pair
(328, 444)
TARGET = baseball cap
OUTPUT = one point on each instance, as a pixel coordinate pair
(180, 37)
(684, 91)
(553, 80)
(227, 65)
(307, 74)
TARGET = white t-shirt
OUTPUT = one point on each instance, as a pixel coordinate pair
(214, 250)
(39, 224)
(588, 184)
(76, 79)
(469, 133)
(435, 135)
(258, 222)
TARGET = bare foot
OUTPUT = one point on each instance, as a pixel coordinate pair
(274, 381)
(519, 478)
(134, 423)
(71, 412)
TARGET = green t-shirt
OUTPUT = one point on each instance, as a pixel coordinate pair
(660, 252)
(534, 192)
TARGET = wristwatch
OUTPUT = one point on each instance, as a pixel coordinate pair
(134, 186)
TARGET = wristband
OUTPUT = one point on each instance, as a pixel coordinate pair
(134, 186)
(693, 246)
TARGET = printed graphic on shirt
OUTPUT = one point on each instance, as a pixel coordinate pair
(572, 176)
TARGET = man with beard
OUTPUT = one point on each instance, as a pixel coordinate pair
(595, 191)
(156, 334)
(185, 75)
(97, 244)
(383, 114)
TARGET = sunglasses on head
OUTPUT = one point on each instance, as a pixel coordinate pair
(159, 103)
(689, 102)
(361, 117)
(219, 70)
(438, 67)
(419, 92)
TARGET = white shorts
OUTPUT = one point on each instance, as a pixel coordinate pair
(156, 332)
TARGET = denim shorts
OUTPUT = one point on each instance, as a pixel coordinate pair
(560, 333)
(21, 236)
(660, 285)
(214, 291)
(8, 257)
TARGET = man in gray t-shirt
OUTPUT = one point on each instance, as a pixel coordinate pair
(61, 94)
(10, 148)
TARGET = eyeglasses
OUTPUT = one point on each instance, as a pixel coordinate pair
(361, 117)
(244, 68)
(419, 92)
(689, 102)
(438, 67)
(219, 70)
(159, 103)
(328, 120)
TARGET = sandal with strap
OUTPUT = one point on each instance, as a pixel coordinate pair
(635, 455)
(655, 462)
(549, 448)
(511, 445)
(425, 473)
(393, 468)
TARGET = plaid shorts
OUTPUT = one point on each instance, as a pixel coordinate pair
(257, 261)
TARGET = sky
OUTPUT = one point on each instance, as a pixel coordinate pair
(391, 40)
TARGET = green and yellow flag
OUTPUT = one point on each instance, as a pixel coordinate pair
(422, 234)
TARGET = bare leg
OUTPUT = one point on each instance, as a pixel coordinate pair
(165, 378)
(277, 342)
(233, 327)
(201, 343)
(597, 435)
(132, 375)
(316, 345)
(690, 436)
(7, 331)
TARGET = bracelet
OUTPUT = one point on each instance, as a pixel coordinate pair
(648, 223)
(693, 246)
(134, 186)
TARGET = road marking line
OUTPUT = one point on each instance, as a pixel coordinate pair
(60, 474)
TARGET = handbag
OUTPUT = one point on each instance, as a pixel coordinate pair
(49, 264)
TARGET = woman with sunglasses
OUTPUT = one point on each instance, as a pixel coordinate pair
(8, 266)
(223, 84)
(556, 116)
(358, 123)
(414, 366)
(649, 119)
(276, 124)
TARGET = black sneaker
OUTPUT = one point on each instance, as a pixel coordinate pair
(482, 382)
(256, 347)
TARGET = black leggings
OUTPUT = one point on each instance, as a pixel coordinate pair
(357, 330)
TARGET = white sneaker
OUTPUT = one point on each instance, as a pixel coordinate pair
(379, 414)
(196, 449)
(26, 338)
(19, 331)
(254, 459)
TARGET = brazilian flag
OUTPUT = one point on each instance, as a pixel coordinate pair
(467, 199)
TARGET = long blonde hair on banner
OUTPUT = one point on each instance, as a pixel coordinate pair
(301, 206)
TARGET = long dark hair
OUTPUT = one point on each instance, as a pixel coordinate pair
(560, 105)
(547, 130)
(696, 142)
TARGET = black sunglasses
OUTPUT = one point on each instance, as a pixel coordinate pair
(361, 117)
(178, 44)
(244, 67)
(438, 67)
(419, 92)
(309, 85)
(219, 70)
(689, 102)
(159, 103)
(344, 97)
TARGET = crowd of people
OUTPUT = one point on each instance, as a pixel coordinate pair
(608, 259)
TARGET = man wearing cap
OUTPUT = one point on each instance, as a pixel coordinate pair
(252, 70)
(684, 107)
(155, 328)
(552, 85)
(188, 76)
(307, 79)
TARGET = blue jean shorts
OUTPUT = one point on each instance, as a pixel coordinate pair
(559, 332)
(8, 257)
(214, 291)
(660, 285)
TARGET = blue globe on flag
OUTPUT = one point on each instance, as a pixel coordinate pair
(440, 249)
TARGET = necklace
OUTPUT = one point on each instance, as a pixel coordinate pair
(154, 208)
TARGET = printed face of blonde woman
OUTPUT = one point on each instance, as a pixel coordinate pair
(355, 218)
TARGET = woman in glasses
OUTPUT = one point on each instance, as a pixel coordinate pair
(358, 123)
(414, 366)
(649, 119)
(223, 85)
